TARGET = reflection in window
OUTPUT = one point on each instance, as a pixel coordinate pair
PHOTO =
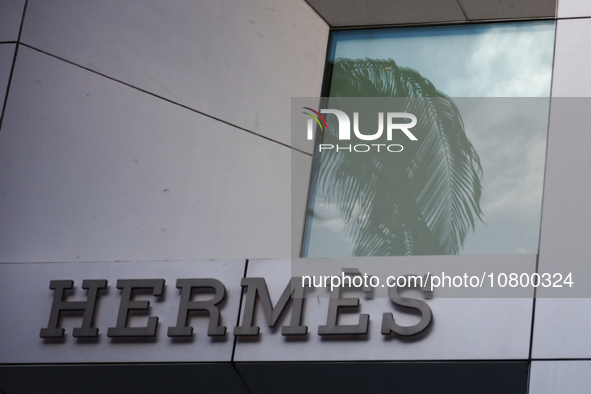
(473, 182)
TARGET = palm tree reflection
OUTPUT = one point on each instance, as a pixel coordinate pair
(420, 202)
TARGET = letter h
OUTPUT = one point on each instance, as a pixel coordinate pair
(60, 305)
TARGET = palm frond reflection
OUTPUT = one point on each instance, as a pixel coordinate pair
(422, 202)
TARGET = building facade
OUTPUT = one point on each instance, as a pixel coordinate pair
(151, 142)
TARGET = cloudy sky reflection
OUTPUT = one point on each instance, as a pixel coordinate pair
(494, 60)
(488, 69)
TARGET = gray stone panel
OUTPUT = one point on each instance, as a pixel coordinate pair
(93, 170)
(239, 61)
(340, 13)
(11, 14)
(573, 8)
(564, 377)
(571, 76)
(27, 303)
(462, 329)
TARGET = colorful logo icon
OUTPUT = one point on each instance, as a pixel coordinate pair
(310, 131)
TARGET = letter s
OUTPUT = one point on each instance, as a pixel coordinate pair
(388, 323)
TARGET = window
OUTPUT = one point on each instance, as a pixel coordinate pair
(472, 183)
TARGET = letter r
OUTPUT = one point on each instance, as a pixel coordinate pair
(401, 126)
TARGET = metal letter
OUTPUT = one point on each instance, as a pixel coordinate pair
(259, 286)
(353, 272)
(186, 305)
(128, 286)
(388, 323)
(59, 305)
(332, 327)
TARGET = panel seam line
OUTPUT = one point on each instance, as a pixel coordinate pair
(166, 99)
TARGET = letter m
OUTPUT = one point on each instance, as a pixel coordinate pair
(258, 286)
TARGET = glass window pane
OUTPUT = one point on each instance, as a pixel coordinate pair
(498, 78)
(488, 60)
